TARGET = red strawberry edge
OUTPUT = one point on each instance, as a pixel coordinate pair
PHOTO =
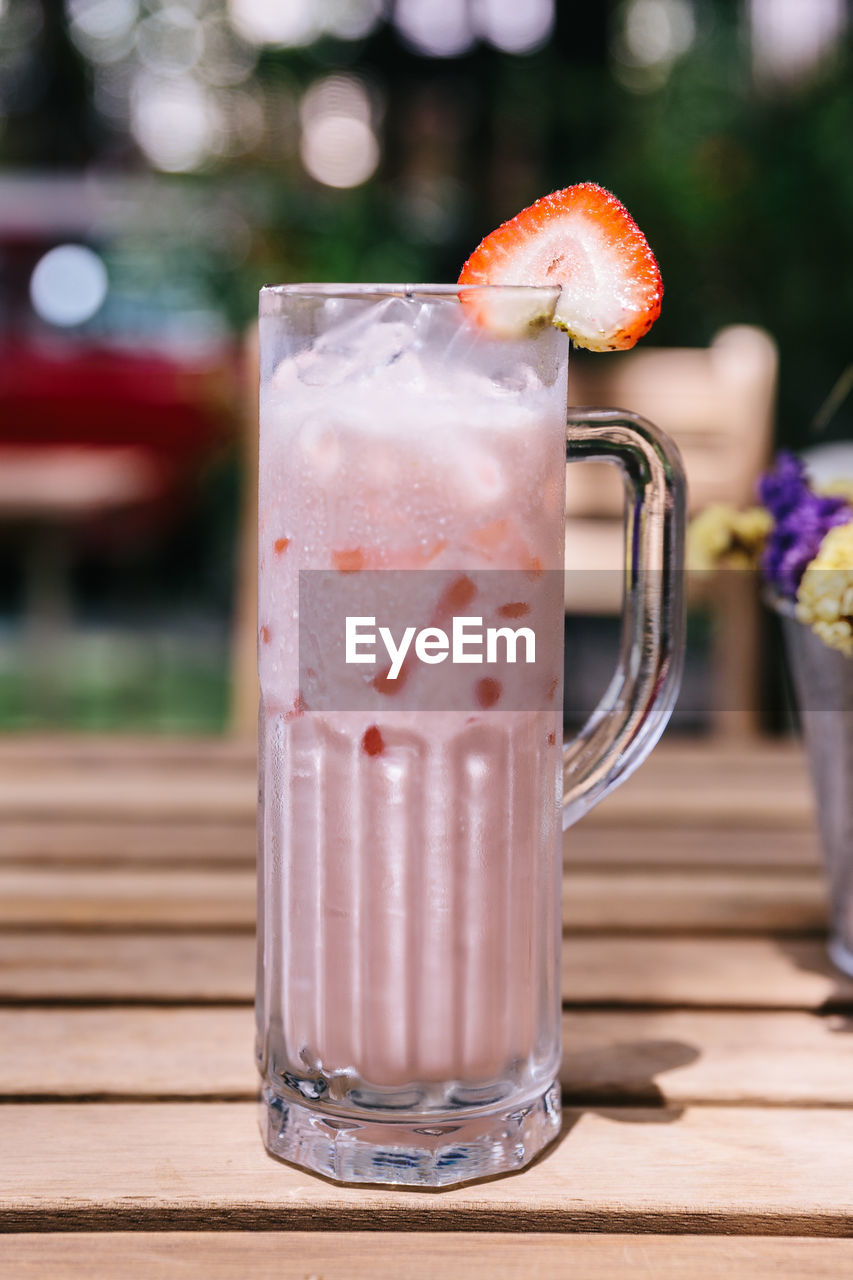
(583, 239)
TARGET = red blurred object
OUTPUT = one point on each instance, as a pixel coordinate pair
(102, 403)
(95, 434)
(63, 393)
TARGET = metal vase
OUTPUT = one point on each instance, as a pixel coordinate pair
(823, 683)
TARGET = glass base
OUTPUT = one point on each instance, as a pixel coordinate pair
(411, 1153)
(841, 956)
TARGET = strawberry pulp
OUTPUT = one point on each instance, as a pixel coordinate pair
(583, 239)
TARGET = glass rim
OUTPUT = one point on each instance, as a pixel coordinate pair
(424, 291)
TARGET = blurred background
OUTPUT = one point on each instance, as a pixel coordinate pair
(160, 161)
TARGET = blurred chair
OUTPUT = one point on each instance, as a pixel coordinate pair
(717, 403)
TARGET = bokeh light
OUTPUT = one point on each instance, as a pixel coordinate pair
(439, 28)
(103, 30)
(225, 58)
(68, 285)
(296, 23)
(658, 31)
(352, 19)
(170, 41)
(176, 121)
(102, 19)
(513, 26)
(652, 35)
(336, 95)
(338, 145)
(790, 37)
(277, 22)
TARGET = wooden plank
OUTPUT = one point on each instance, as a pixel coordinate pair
(697, 972)
(93, 841)
(612, 1057)
(187, 1052)
(691, 783)
(700, 1057)
(168, 1165)
(42, 842)
(137, 898)
(598, 846)
(729, 901)
(692, 800)
(38, 752)
(133, 968)
(363, 1255)
(701, 785)
(598, 969)
(226, 796)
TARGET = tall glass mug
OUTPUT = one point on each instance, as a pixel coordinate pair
(412, 768)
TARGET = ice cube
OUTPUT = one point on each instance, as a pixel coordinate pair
(383, 344)
(486, 482)
(406, 370)
(325, 368)
(515, 380)
(356, 349)
(321, 446)
(285, 376)
(353, 333)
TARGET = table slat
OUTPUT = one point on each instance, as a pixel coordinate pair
(112, 842)
(167, 1165)
(697, 972)
(139, 898)
(225, 795)
(362, 1255)
(41, 753)
(699, 784)
(601, 969)
(136, 967)
(792, 900)
(683, 845)
(610, 1057)
(56, 843)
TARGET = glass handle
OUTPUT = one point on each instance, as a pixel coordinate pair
(634, 711)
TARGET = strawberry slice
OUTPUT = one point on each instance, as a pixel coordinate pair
(585, 240)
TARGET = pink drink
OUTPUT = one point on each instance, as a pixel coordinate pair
(412, 479)
(409, 960)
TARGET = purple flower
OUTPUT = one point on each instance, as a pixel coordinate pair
(783, 488)
(801, 519)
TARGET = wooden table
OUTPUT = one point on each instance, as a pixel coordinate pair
(708, 1069)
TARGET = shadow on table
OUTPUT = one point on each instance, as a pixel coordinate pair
(617, 1081)
(622, 1072)
(809, 956)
